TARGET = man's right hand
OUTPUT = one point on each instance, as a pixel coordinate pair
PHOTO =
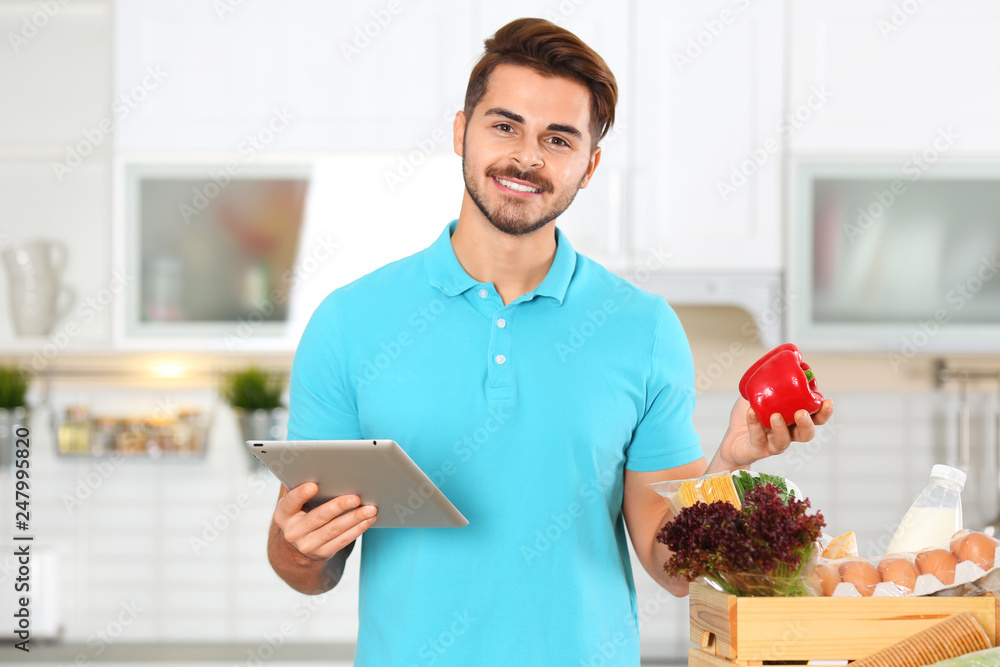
(319, 533)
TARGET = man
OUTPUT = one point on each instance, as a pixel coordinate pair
(544, 438)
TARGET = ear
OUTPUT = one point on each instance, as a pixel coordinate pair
(595, 159)
(458, 132)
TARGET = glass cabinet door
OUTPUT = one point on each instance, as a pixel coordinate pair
(208, 249)
(895, 251)
(886, 250)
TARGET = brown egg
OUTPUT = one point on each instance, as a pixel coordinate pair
(956, 538)
(862, 574)
(899, 571)
(828, 577)
(939, 562)
(980, 548)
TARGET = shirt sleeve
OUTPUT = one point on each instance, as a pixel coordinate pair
(321, 405)
(665, 437)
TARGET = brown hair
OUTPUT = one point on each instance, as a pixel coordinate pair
(551, 51)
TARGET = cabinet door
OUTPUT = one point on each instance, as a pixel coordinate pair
(342, 75)
(55, 81)
(55, 174)
(595, 222)
(709, 134)
(898, 74)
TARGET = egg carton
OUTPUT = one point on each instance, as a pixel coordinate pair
(967, 574)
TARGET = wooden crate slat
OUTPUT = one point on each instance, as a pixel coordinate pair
(713, 612)
(745, 630)
(699, 658)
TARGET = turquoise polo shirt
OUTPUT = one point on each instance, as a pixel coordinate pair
(526, 416)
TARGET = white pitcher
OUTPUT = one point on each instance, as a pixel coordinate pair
(37, 298)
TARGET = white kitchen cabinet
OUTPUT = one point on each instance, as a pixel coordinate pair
(56, 79)
(359, 75)
(709, 134)
(55, 174)
(897, 74)
(596, 221)
(75, 213)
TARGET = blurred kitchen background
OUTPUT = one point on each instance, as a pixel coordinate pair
(182, 182)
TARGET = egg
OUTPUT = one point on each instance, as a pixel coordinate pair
(862, 574)
(980, 548)
(827, 577)
(939, 562)
(899, 571)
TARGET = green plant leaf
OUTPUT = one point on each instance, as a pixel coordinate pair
(13, 387)
(253, 389)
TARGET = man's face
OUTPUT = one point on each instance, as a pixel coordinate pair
(526, 148)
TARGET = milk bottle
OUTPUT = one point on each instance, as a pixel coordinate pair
(934, 516)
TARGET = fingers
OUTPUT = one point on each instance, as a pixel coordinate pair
(825, 412)
(780, 437)
(755, 429)
(776, 436)
(324, 530)
(291, 503)
(331, 509)
(805, 428)
(338, 542)
(328, 539)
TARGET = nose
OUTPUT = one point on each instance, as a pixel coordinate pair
(527, 155)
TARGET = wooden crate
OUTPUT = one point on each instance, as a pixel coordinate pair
(747, 631)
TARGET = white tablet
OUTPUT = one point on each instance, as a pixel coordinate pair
(377, 471)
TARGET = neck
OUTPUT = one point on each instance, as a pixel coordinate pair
(514, 264)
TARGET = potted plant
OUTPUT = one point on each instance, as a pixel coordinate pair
(13, 410)
(255, 396)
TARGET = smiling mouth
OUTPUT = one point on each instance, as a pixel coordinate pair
(516, 187)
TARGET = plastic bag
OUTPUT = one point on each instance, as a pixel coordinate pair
(681, 493)
(931, 572)
(781, 582)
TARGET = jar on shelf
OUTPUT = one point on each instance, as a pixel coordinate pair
(159, 438)
(131, 438)
(189, 431)
(73, 436)
(103, 435)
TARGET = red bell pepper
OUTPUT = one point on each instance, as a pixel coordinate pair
(780, 382)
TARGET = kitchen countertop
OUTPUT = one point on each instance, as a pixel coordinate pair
(195, 655)
(299, 655)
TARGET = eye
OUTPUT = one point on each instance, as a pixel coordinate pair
(559, 141)
(504, 127)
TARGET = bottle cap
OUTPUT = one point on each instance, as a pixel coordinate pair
(949, 473)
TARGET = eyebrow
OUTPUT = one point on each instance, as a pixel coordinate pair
(555, 127)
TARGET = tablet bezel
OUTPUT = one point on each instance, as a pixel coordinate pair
(377, 470)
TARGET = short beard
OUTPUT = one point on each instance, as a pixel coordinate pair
(508, 216)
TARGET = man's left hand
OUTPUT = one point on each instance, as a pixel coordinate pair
(750, 441)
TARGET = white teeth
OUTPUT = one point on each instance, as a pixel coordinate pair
(517, 186)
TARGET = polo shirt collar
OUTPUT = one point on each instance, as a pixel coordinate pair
(447, 274)
(557, 280)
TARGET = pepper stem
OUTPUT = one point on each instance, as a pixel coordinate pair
(809, 375)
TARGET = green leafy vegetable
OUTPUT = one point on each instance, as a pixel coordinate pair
(744, 481)
(765, 548)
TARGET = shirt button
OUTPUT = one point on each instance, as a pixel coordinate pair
(483, 293)
(500, 358)
(501, 323)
